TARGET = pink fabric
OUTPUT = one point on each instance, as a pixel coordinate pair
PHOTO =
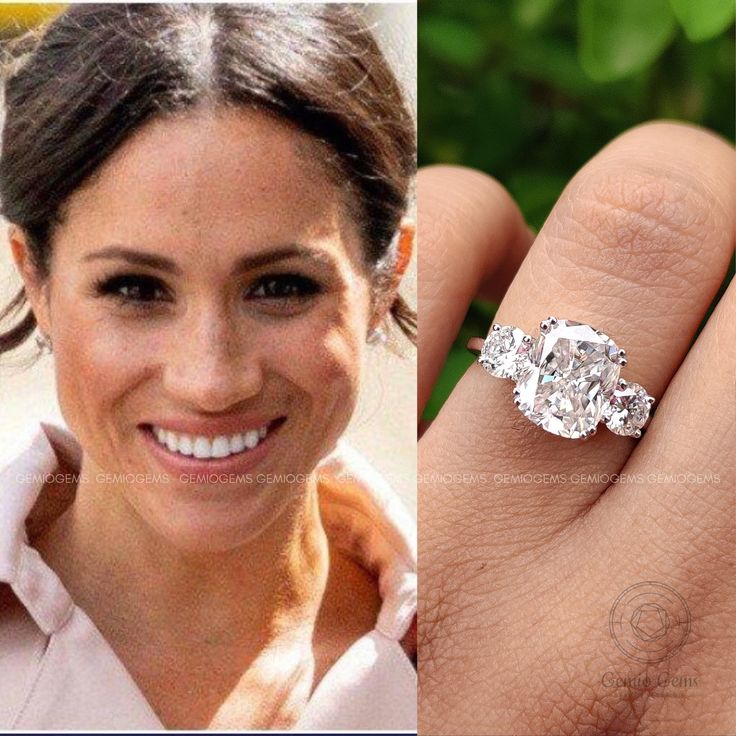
(58, 672)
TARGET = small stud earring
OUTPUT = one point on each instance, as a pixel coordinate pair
(44, 344)
(377, 336)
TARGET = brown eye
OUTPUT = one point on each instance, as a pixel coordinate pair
(284, 286)
(134, 289)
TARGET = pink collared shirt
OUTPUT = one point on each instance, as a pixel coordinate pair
(58, 672)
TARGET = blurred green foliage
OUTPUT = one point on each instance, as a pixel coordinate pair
(529, 90)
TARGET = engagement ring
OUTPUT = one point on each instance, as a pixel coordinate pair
(567, 379)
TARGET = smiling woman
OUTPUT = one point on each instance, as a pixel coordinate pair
(208, 209)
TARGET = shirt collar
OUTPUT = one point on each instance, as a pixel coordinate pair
(361, 513)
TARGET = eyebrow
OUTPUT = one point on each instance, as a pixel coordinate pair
(243, 264)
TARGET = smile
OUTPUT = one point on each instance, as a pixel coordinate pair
(207, 448)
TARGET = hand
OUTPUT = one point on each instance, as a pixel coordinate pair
(519, 572)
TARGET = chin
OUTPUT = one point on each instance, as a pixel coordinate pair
(206, 523)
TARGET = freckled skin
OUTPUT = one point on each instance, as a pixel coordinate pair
(203, 190)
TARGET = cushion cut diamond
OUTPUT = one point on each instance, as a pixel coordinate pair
(571, 379)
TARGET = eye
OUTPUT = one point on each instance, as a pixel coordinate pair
(135, 289)
(288, 286)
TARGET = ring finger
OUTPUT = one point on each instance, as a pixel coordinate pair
(637, 247)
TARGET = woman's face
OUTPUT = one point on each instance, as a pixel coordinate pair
(208, 282)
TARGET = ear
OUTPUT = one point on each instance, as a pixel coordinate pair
(407, 231)
(405, 246)
(34, 286)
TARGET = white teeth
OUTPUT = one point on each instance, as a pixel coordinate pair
(206, 448)
(237, 443)
(172, 441)
(252, 439)
(220, 447)
(202, 448)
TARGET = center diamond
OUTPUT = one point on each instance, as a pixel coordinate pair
(573, 375)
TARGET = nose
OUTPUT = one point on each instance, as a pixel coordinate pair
(209, 368)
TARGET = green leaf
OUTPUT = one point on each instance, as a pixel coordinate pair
(704, 19)
(452, 41)
(536, 192)
(530, 14)
(555, 62)
(620, 37)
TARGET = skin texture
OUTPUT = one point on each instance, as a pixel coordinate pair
(520, 569)
(204, 190)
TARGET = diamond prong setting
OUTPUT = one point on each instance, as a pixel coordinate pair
(547, 324)
(505, 351)
(628, 410)
(567, 380)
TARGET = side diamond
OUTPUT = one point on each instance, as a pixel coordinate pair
(505, 352)
(628, 410)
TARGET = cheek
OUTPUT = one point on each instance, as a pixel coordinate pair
(322, 359)
(97, 363)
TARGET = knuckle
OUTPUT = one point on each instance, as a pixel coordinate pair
(452, 199)
(640, 222)
(629, 204)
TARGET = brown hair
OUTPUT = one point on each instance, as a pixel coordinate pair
(78, 89)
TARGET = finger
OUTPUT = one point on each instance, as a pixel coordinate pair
(671, 515)
(472, 235)
(637, 246)
(689, 463)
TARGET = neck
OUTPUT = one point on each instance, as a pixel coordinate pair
(267, 590)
